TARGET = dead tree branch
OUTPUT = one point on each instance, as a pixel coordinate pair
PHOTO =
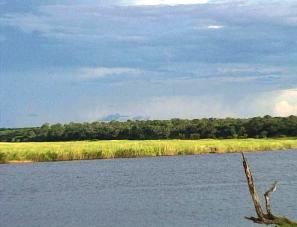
(267, 195)
(266, 218)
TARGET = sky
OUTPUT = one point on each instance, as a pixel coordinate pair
(88, 60)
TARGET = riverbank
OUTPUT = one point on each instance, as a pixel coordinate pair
(87, 150)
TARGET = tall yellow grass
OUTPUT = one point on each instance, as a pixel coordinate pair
(85, 150)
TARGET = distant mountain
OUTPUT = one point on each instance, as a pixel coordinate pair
(119, 117)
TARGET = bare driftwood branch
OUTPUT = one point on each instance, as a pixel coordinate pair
(266, 218)
(252, 188)
(267, 195)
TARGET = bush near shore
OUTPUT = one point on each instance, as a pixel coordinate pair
(87, 150)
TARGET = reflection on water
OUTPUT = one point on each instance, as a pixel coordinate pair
(208, 190)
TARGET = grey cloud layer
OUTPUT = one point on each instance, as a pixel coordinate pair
(134, 60)
(257, 32)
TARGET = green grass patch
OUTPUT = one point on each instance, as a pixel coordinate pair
(87, 150)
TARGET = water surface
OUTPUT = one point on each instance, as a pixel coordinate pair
(206, 190)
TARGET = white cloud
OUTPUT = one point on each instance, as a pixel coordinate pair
(100, 72)
(215, 26)
(165, 2)
(286, 103)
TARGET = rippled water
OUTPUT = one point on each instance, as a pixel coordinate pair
(208, 190)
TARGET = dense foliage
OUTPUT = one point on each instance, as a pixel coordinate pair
(258, 127)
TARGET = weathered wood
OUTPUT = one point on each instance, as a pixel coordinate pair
(267, 195)
(252, 188)
(263, 218)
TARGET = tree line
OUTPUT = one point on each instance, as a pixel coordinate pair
(227, 128)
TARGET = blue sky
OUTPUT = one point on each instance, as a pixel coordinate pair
(83, 60)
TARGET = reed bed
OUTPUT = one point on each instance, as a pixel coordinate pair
(87, 150)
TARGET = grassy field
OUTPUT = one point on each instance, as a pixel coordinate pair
(85, 150)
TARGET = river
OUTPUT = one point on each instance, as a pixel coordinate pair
(203, 190)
